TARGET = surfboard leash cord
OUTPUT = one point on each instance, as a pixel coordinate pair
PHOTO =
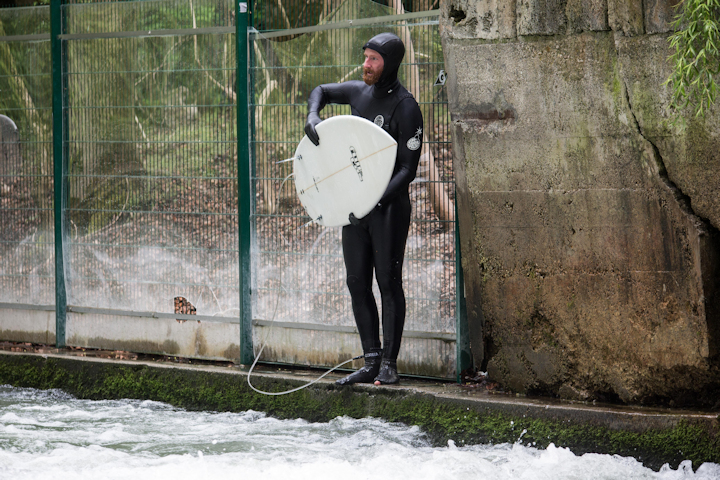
(272, 321)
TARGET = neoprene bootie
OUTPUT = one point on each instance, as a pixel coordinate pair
(366, 374)
(388, 373)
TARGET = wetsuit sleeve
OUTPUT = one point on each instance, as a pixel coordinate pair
(410, 137)
(319, 97)
(329, 93)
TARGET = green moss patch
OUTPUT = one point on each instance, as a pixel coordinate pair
(464, 422)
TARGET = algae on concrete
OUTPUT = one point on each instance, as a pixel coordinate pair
(652, 440)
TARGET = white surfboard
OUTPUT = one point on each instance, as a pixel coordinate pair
(347, 173)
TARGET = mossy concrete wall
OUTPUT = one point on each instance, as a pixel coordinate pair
(443, 411)
(588, 225)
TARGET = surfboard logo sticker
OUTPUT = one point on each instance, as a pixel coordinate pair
(414, 142)
(379, 121)
(356, 163)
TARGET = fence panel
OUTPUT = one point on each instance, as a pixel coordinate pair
(152, 206)
(302, 309)
(149, 148)
(27, 262)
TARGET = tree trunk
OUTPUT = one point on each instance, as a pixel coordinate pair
(39, 161)
(102, 151)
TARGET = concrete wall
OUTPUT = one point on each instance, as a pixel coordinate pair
(33, 325)
(589, 226)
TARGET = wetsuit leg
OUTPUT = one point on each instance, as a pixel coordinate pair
(388, 228)
(358, 255)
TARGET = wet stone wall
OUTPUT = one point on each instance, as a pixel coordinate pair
(588, 223)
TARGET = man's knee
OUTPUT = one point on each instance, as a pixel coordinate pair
(390, 281)
(358, 287)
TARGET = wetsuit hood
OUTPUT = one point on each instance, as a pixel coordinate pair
(392, 50)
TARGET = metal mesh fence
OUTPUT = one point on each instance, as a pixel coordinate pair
(276, 15)
(152, 207)
(149, 144)
(26, 182)
(299, 274)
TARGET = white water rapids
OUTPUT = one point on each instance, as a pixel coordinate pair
(49, 434)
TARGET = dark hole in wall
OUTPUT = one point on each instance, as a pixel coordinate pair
(456, 14)
(710, 251)
(490, 348)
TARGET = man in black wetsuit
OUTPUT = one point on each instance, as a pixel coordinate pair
(377, 241)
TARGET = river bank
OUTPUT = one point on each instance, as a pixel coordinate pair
(445, 411)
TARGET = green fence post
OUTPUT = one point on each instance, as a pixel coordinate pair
(59, 169)
(244, 186)
(463, 355)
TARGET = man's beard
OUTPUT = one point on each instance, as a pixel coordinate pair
(370, 77)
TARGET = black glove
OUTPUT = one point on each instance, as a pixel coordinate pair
(312, 120)
(356, 221)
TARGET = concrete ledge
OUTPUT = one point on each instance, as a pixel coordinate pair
(444, 411)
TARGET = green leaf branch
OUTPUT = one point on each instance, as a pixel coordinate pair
(696, 56)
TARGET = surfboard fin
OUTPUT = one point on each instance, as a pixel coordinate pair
(310, 222)
(299, 157)
(305, 225)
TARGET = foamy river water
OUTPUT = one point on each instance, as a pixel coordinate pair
(48, 434)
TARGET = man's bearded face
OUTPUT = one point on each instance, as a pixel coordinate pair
(373, 66)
